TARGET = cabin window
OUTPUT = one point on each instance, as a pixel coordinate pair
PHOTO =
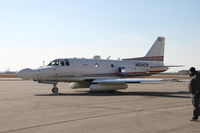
(96, 65)
(112, 65)
(67, 62)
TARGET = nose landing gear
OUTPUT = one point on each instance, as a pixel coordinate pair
(54, 89)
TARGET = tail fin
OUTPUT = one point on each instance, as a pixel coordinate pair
(155, 54)
(157, 50)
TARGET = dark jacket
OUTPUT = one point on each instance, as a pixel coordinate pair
(194, 85)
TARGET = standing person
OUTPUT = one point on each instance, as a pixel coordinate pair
(194, 88)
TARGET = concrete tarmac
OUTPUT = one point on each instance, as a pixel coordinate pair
(29, 107)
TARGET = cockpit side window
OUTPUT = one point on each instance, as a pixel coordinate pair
(62, 63)
(57, 63)
(54, 63)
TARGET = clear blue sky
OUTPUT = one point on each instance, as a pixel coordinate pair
(35, 30)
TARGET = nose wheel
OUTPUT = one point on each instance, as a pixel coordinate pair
(54, 89)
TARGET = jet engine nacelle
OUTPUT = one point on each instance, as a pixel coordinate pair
(108, 87)
(133, 70)
(76, 85)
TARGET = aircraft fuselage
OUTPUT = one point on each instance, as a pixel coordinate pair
(89, 69)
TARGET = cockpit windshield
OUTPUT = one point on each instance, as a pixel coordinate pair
(59, 63)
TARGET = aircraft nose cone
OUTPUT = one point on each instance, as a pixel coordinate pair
(25, 73)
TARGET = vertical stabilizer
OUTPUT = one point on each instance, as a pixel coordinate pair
(155, 54)
(157, 50)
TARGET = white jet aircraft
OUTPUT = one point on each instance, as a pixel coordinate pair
(98, 74)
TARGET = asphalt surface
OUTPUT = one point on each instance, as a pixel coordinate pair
(28, 107)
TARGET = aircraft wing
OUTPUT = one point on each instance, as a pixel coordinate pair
(128, 80)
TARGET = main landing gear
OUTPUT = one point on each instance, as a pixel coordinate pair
(54, 89)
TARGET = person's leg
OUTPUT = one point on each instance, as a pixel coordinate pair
(198, 106)
(195, 108)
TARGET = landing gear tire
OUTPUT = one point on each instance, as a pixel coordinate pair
(55, 90)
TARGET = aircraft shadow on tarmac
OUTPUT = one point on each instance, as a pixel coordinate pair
(179, 94)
